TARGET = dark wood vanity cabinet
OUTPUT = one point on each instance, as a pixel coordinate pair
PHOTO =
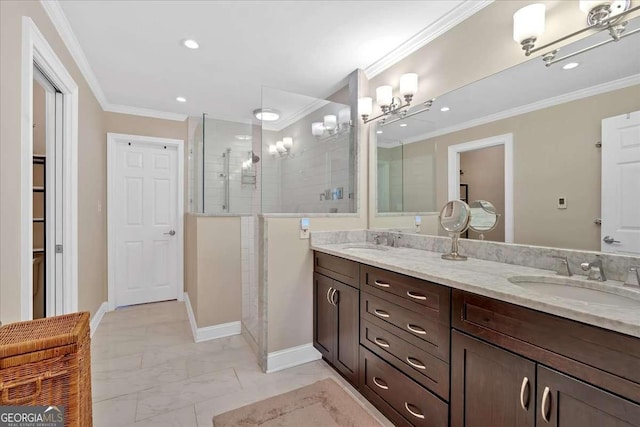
(336, 323)
(428, 355)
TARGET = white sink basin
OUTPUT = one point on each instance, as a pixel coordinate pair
(588, 291)
(365, 247)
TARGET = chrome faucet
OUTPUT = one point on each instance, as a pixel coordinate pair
(633, 277)
(562, 266)
(377, 239)
(394, 242)
(595, 269)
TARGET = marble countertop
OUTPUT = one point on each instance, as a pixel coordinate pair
(490, 279)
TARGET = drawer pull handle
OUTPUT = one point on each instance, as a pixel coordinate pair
(381, 384)
(416, 329)
(328, 299)
(545, 408)
(415, 414)
(381, 342)
(416, 296)
(525, 386)
(381, 284)
(334, 300)
(381, 313)
(37, 382)
(417, 364)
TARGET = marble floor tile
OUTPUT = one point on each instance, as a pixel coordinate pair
(148, 371)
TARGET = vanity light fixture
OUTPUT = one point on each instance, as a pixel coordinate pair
(392, 106)
(529, 23)
(191, 44)
(181, 99)
(332, 125)
(266, 114)
(281, 148)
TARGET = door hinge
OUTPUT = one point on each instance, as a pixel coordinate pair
(58, 249)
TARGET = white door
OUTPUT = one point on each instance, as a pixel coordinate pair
(145, 222)
(621, 184)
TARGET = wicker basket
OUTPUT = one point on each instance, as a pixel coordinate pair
(48, 362)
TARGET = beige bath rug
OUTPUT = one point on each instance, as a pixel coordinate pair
(322, 404)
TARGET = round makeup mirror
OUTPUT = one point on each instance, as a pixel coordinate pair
(484, 217)
(454, 218)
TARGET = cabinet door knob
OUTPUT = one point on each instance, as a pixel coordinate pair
(417, 296)
(416, 329)
(381, 284)
(381, 313)
(380, 383)
(524, 387)
(381, 342)
(417, 364)
(415, 414)
(334, 294)
(545, 407)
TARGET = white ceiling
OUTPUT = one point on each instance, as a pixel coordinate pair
(307, 47)
(526, 87)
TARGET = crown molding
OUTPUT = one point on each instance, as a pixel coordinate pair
(62, 25)
(434, 30)
(539, 105)
(145, 112)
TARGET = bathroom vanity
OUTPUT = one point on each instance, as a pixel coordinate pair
(436, 343)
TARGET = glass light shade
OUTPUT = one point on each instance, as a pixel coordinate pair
(280, 147)
(587, 5)
(408, 84)
(330, 122)
(273, 149)
(344, 115)
(317, 128)
(528, 22)
(287, 142)
(365, 106)
(384, 95)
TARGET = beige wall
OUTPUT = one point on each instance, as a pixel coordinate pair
(92, 167)
(484, 173)
(213, 267)
(554, 155)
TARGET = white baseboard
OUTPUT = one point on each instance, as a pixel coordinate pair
(290, 357)
(210, 332)
(97, 317)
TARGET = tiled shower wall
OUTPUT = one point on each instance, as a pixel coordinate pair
(249, 277)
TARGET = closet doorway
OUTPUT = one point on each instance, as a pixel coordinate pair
(47, 196)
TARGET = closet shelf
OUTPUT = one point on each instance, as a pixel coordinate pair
(38, 189)
(38, 219)
(38, 250)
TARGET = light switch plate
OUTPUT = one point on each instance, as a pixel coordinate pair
(304, 228)
(562, 203)
(304, 234)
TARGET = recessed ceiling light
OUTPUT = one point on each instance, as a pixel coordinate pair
(378, 131)
(181, 99)
(403, 125)
(191, 44)
(266, 114)
(445, 109)
(570, 65)
(243, 137)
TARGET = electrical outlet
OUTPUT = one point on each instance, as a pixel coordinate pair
(562, 203)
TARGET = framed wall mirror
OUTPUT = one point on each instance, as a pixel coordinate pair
(554, 117)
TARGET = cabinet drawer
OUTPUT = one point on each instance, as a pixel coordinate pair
(412, 404)
(431, 336)
(604, 358)
(422, 367)
(400, 289)
(341, 269)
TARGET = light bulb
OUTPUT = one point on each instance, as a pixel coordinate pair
(528, 22)
(280, 147)
(365, 106)
(384, 95)
(344, 115)
(317, 128)
(408, 84)
(272, 149)
(287, 142)
(330, 122)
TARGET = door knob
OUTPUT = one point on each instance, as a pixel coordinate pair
(170, 233)
(609, 240)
